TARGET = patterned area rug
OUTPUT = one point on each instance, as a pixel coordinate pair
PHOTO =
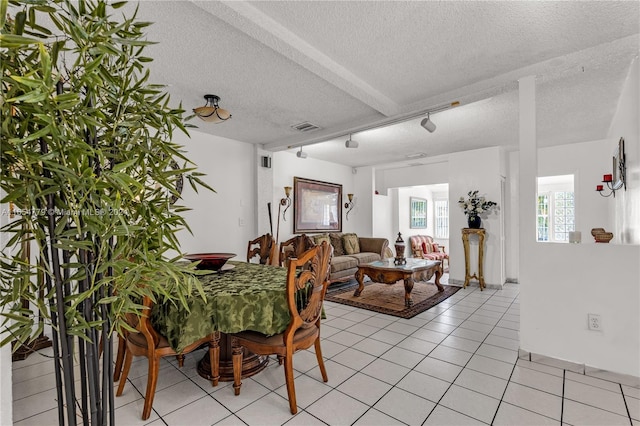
(389, 298)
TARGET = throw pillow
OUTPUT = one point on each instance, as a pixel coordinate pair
(318, 239)
(336, 242)
(436, 247)
(426, 248)
(351, 243)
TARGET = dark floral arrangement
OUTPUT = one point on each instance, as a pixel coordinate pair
(475, 205)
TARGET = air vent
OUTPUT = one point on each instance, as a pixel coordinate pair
(305, 127)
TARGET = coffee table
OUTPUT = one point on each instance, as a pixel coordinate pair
(385, 271)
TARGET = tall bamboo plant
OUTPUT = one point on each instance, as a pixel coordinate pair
(88, 165)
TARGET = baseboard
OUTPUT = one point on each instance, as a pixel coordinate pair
(579, 368)
(460, 283)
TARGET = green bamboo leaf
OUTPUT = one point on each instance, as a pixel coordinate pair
(21, 18)
(12, 41)
(3, 12)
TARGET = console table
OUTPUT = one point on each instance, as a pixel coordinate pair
(467, 261)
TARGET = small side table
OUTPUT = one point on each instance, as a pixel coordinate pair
(467, 267)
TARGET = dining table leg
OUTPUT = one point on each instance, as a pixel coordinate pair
(251, 363)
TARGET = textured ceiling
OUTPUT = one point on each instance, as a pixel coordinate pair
(351, 66)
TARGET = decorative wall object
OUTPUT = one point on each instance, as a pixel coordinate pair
(317, 206)
(618, 177)
(418, 213)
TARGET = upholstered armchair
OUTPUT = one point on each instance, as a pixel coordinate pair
(422, 246)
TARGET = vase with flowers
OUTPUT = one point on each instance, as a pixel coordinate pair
(473, 206)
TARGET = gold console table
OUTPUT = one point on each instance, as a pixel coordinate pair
(467, 267)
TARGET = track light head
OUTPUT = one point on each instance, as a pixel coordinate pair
(301, 154)
(351, 143)
(428, 124)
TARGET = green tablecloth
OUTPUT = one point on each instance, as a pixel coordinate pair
(247, 297)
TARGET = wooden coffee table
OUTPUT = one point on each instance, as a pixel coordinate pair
(385, 271)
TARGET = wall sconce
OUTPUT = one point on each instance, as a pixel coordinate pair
(618, 179)
(286, 201)
(349, 205)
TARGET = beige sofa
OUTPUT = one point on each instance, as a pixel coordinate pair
(345, 261)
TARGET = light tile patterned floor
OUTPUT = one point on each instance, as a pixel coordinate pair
(456, 364)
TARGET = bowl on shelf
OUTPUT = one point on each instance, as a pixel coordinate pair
(595, 231)
(210, 261)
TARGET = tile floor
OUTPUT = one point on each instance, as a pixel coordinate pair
(456, 364)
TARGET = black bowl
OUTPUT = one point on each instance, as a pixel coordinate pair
(210, 261)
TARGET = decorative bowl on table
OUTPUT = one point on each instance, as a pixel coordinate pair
(210, 261)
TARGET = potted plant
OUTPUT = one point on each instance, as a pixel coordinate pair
(473, 206)
(90, 171)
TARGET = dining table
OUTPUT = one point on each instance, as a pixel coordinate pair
(240, 296)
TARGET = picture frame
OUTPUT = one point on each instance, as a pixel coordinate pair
(317, 206)
(619, 167)
(418, 213)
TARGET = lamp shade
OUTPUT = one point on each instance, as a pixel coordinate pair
(211, 112)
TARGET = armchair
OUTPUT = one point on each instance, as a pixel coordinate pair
(422, 246)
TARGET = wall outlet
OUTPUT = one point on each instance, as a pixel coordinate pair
(595, 323)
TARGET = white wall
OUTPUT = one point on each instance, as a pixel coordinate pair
(626, 124)
(404, 208)
(562, 283)
(383, 219)
(287, 166)
(475, 170)
(221, 221)
(587, 161)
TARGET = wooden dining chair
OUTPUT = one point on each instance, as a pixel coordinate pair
(261, 247)
(153, 345)
(307, 282)
(294, 247)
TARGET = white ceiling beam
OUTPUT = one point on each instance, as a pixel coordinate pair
(251, 21)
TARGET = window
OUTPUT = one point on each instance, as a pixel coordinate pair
(555, 209)
(442, 218)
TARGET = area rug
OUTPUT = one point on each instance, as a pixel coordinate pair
(389, 298)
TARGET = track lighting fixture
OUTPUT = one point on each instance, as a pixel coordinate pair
(351, 143)
(301, 154)
(428, 124)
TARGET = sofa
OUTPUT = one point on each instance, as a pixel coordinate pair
(349, 251)
(422, 246)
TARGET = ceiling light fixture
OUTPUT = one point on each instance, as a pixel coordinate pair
(351, 143)
(211, 112)
(428, 124)
(301, 154)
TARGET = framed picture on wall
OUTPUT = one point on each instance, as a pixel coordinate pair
(317, 206)
(418, 213)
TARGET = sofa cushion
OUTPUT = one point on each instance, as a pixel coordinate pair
(436, 247)
(426, 248)
(318, 239)
(351, 243)
(336, 242)
(365, 257)
(341, 263)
